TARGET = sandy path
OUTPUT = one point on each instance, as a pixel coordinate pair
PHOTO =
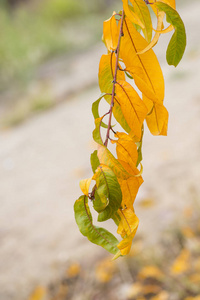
(42, 161)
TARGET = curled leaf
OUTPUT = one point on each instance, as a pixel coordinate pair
(85, 185)
(109, 193)
(96, 235)
(95, 109)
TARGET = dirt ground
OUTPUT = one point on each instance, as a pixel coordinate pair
(42, 161)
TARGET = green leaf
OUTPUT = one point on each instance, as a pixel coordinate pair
(116, 218)
(95, 109)
(177, 44)
(96, 132)
(96, 235)
(109, 191)
(94, 161)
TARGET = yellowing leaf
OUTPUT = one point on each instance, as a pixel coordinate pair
(85, 185)
(132, 106)
(133, 17)
(142, 11)
(181, 264)
(108, 195)
(151, 272)
(106, 158)
(38, 294)
(111, 33)
(171, 3)
(157, 120)
(144, 68)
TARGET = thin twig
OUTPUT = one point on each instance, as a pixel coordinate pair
(114, 79)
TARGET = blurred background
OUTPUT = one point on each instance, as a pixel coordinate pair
(49, 56)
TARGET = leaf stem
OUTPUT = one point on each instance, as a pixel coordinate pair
(114, 80)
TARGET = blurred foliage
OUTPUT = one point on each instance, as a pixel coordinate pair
(169, 270)
(34, 31)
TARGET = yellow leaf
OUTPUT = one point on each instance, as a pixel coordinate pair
(38, 294)
(130, 186)
(127, 227)
(73, 270)
(111, 33)
(133, 108)
(129, 222)
(181, 264)
(85, 185)
(144, 68)
(157, 120)
(133, 17)
(125, 245)
(126, 148)
(151, 272)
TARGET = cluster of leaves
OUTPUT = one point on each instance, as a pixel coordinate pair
(128, 39)
(147, 273)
